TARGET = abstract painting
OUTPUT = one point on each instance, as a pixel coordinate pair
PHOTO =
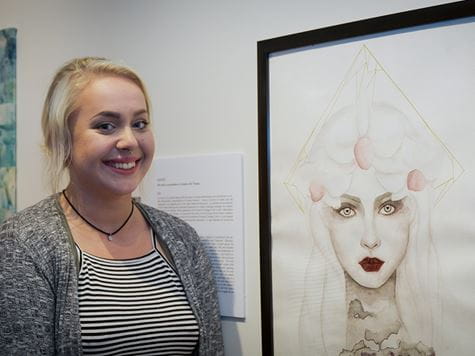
(7, 122)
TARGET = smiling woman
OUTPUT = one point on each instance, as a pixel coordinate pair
(90, 270)
(112, 145)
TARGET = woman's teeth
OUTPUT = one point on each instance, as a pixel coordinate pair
(129, 165)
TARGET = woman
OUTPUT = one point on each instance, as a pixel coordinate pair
(371, 283)
(90, 270)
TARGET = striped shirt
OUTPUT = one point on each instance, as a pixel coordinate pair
(134, 307)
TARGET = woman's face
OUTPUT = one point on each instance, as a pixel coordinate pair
(112, 143)
(369, 231)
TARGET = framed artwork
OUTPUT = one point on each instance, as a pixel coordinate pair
(366, 138)
(7, 122)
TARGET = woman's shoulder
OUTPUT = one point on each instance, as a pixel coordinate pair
(37, 220)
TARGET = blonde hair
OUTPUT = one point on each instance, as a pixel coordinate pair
(61, 102)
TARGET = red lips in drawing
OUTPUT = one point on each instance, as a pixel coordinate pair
(371, 264)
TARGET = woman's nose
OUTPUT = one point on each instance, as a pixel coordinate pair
(126, 140)
(370, 239)
(370, 244)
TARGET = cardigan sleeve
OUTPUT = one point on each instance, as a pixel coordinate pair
(27, 301)
(208, 296)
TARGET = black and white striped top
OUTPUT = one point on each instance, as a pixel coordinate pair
(134, 307)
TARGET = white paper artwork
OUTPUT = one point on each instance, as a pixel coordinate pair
(207, 192)
(372, 219)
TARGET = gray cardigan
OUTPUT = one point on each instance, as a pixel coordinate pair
(38, 281)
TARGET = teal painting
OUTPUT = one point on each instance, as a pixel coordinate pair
(7, 122)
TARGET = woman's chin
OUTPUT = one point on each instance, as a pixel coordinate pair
(372, 280)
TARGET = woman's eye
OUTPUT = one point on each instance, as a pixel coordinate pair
(105, 127)
(141, 124)
(387, 209)
(346, 212)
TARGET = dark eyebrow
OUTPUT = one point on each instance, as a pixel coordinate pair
(111, 114)
(116, 115)
(351, 197)
(383, 197)
(140, 112)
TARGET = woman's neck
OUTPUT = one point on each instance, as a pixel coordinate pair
(106, 226)
(372, 314)
(103, 209)
(371, 297)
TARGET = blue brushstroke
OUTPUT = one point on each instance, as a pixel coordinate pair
(7, 122)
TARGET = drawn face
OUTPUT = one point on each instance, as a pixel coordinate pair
(369, 231)
(112, 143)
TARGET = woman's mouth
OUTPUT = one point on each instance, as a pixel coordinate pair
(119, 165)
(123, 166)
(371, 264)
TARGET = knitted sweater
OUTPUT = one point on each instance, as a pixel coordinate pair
(38, 281)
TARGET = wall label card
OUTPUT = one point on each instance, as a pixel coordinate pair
(207, 192)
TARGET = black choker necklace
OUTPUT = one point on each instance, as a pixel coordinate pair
(109, 234)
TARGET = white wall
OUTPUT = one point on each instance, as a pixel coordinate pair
(199, 60)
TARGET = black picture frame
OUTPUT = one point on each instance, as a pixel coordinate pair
(374, 26)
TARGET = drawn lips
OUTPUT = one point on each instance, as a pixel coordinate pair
(371, 264)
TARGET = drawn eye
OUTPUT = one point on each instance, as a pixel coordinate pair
(346, 212)
(387, 209)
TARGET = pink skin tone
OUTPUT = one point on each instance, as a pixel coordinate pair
(416, 181)
(317, 191)
(363, 153)
(113, 145)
